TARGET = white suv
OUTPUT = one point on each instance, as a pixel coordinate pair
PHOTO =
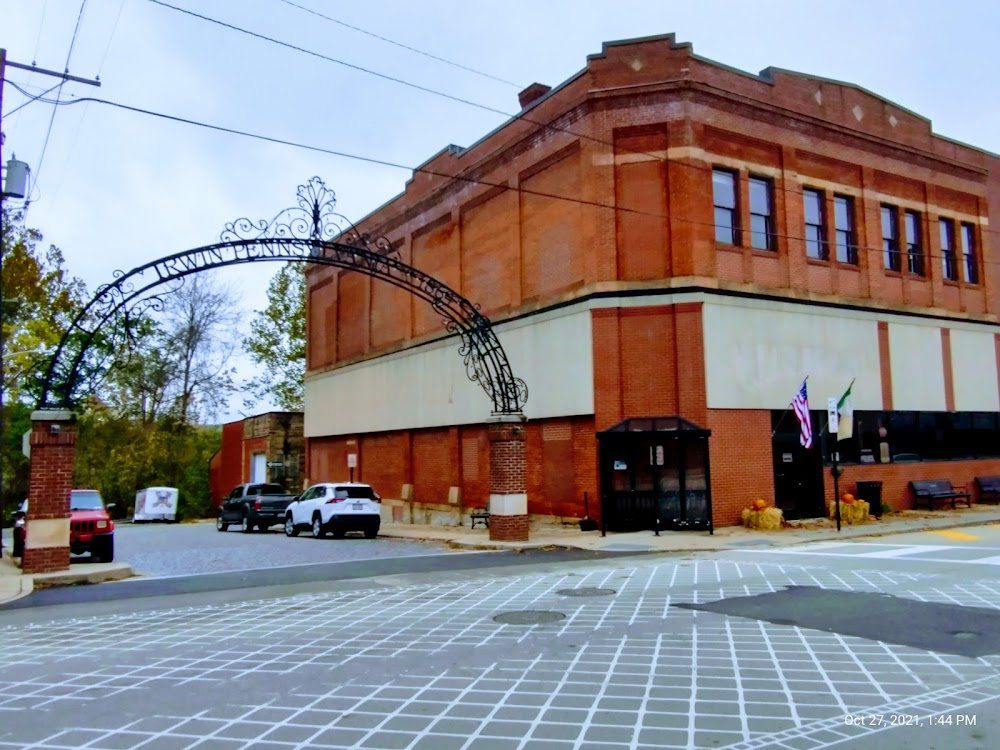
(335, 506)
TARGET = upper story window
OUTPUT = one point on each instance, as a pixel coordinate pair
(949, 263)
(843, 226)
(969, 254)
(761, 213)
(890, 238)
(815, 224)
(727, 226)
(914, 247)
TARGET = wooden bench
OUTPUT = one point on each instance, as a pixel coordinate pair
(989, 489)
(931, 490)
(480, 515)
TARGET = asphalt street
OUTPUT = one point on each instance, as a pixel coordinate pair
(157, 550)
(636, 652)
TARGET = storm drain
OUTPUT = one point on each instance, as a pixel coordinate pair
(586, 591)
(529, 617)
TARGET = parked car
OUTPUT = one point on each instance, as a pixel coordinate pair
(91, 529)
(254, 506)
(338, 507)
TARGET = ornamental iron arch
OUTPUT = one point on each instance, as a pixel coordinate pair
(311, 232)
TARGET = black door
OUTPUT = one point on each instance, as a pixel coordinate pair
(798, 472)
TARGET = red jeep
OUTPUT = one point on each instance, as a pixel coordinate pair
(90, 528)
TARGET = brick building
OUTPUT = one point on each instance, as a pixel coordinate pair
(662, 235)
(264, 448)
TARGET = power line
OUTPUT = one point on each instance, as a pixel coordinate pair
(401, 45)
(107, 49)
(52, 119)
(352, 66)
(461, 178)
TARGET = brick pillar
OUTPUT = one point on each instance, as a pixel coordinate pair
(508, 498)
(53, 445)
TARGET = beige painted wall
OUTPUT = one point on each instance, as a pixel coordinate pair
(757, 353)
(974, 371)
(428, 387)
(917, 366)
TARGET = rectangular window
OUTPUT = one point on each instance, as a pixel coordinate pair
(815, 225)
(761, 223)
(914, 247)
(890, 238)
(969, 254)
(843, 225)
(726, 214)
(949, 264)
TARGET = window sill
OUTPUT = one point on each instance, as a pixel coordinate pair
(820, 262)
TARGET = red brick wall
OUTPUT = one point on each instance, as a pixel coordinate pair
(435, 252)
(491, 273)
(386, 466)
(641, 196)
(435, 464)
(740, 460)
(895, 478)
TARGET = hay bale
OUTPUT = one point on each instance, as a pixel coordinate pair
(766, 520)
(851, 513)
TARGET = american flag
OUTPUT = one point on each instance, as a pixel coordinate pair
(800, 404)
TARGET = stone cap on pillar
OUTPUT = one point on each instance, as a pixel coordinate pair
(507, 419)
(53, 415)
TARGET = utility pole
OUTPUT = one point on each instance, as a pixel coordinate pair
(4, 64)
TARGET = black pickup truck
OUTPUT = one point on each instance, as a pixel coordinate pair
(254, 506)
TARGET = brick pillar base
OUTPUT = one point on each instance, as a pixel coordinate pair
(508, 498)
(53, 448)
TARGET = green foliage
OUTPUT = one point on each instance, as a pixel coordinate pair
(277, 342)
(40, 299)
(119, 456)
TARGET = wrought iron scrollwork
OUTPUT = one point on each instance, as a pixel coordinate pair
(312, 232)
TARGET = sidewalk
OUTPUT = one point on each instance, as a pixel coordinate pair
(14, 585)
(725, 538)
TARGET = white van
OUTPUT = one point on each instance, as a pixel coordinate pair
(155, 504)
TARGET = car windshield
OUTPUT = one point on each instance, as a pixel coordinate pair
(358, 492)
(85, 500)
(266, 489)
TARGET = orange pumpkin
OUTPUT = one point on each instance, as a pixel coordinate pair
(758, 504)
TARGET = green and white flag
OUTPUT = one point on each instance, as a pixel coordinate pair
(845, 427)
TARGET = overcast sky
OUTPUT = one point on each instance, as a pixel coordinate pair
(117, 189)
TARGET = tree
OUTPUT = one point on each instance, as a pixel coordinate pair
(201, 326)
(277, 341)
(40, 300)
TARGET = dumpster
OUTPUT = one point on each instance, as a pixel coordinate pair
(871, 493)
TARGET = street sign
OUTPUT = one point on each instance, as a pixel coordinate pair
(352, 460)
(26, 444)
(833, 425)
(275, 464)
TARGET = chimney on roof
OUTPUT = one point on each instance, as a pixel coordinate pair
(533, 92)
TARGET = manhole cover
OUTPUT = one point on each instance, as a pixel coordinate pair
(529, 617)
(586, 591)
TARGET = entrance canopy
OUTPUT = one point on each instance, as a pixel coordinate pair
(655, 474)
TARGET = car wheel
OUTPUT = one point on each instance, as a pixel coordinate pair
(290, 528)
(318, 531)
(220, 525)
(339, 533)
(106, 550)
(245, 526)
(371, 532)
